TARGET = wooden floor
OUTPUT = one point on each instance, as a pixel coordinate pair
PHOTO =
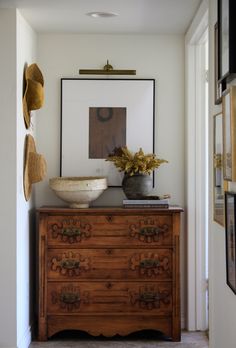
(142, 340)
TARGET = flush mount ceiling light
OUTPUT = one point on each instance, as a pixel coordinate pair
(102, 14)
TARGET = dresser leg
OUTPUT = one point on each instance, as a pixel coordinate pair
(42, 331)
(176, 337)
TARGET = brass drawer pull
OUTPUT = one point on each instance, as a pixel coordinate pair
(71, 232)
(69, 298)
(148, 297)
(149, 263)
(70, 264)
(153, 231)
(149, 231)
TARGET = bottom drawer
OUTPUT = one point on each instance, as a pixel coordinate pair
(110, 325)
(109, 297)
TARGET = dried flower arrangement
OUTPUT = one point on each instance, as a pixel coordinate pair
(134, 163)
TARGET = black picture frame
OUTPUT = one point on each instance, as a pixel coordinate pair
(218, 89)
(220, 86)
(226, 41)
(230, 239)
(219, 185)
(229, 133)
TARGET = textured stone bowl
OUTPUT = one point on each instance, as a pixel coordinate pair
(78, 191)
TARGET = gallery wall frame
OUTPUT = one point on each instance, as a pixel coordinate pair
(230, 239)
(226, 40)
(219, 184)
(218, 92)
(229, 133)
(219, 85)
(98, 115)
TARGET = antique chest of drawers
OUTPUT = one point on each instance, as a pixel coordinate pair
(108, 270)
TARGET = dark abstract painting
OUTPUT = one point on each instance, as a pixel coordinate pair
(107, 130)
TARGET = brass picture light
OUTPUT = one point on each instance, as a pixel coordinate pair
(107, 70)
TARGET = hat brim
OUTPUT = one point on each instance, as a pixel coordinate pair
(29, 147)
(33, 98)
(26, 112)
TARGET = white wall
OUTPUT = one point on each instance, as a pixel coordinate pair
(26, 54)
(222, 300)
(160, 57)
(18, 47)
(8, 179)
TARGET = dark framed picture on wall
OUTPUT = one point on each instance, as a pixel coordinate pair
(229, 134)
(226, 40)
(230, 240)
(100, 115)
(220, 185)
(218, 85)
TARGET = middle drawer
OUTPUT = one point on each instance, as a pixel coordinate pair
(68, 264)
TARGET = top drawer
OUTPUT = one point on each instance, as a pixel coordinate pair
(94, 230)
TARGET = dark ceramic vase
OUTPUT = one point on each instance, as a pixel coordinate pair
(137, 186)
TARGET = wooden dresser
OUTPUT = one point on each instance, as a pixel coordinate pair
(108, 270)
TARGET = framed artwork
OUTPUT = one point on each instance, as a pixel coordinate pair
(226, 39)
(230, 240)
(218, 87)
(229, 134)
(99, 115)
(219, 186)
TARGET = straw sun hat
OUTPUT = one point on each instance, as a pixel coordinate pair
(34, 94)
(34, 167)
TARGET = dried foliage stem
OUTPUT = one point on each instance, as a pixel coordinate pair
(137, 163)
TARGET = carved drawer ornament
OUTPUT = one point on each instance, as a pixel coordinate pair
(70, 264)
(148, 231)
(110, 218)
(69, 298)
(150, 264)
(70, 230)
(150, 297)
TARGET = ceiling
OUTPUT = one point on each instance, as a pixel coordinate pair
(135, 16)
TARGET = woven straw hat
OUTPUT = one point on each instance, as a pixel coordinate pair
(35, 166)
(34, 94)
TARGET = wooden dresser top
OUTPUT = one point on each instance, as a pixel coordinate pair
(109, 210)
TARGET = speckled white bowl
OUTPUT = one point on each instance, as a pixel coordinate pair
(78, 191)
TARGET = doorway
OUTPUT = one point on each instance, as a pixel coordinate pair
(197, 170)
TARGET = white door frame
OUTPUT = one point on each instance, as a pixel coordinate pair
(196, 171)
